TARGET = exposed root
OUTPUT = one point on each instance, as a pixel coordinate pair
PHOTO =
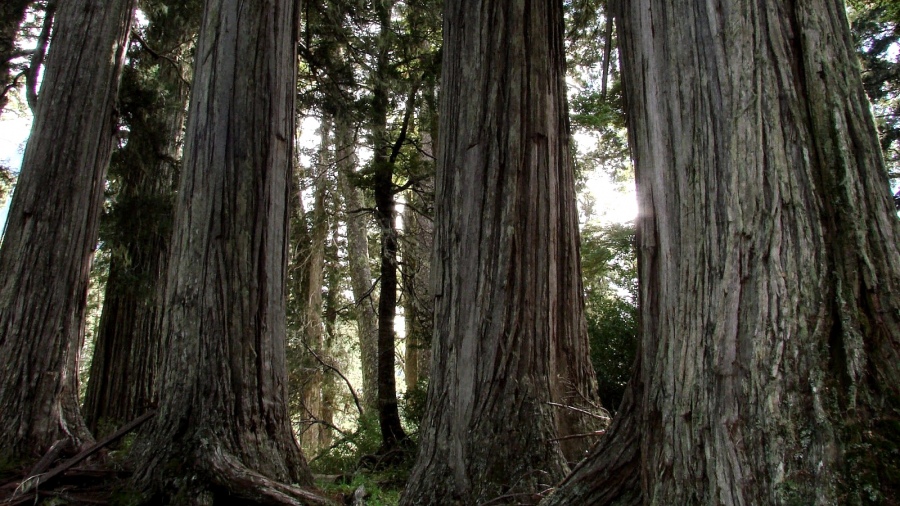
(611, 473)
(228, 473)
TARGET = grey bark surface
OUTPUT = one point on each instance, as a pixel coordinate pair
(508, 309)
(769, 266)
(52, 229)
(222, 428)
(361, 280)
(122, 381)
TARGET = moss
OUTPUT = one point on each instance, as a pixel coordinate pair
(10, 467)
(126, 496)
(872, 463)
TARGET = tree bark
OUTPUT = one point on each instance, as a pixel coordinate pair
(52, 229)
(222, 430)
(122, 381)
(12, 13)
(358, 260)
(510, 335)
(769, 268)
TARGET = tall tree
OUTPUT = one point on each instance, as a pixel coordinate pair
(768, 262)
(510, 336)
(383, 163)
(52, 227)
(875, 25)
(315, 434)
(137, 229)
(222, 428)
(360, 270)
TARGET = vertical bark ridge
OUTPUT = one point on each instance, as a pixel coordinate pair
(122, 381)
(509, 333)
(222, 428)
(768, 261)
(53, 226)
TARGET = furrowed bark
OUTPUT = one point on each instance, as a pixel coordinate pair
(52, 229)
(769, 264)
(222, 428)
(508, 310)
(123, 374)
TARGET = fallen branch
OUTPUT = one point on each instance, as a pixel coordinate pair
(579, 410)
(35, 481)
(255, 488)
(49, 457)
(576, 436)
(339, 373)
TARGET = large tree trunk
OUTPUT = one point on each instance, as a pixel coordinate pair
(222, 428)
(509, 331)
(769, 266)
(12, 13)
(121, 384)
(358, 262)
(52, 229)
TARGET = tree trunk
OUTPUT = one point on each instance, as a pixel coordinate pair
(358, 260)
(769, 266)
(121, 384)
(509, 331)
(12, 13)
(418, 303)
(52, 229)
(222, 430)
(314, 330)
(392, 432)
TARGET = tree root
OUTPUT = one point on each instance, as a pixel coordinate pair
(611, 473)
(230, 474)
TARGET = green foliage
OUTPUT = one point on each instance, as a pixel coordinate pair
(876, 30)
(379, 492)
(412, 407)
(358, 452)
(7, 180)
(609, 266)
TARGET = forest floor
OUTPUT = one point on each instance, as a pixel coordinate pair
(98, 474)
(102, 480)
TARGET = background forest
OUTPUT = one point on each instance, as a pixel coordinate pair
(359, 289)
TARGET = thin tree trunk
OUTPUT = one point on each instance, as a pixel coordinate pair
(358, 259)
(333, 283)
(121, 384)
(222, 428)
(314, 330)
(52, 229)
(392, 432)
(769, 266)
(418, 304)
(508, 309)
